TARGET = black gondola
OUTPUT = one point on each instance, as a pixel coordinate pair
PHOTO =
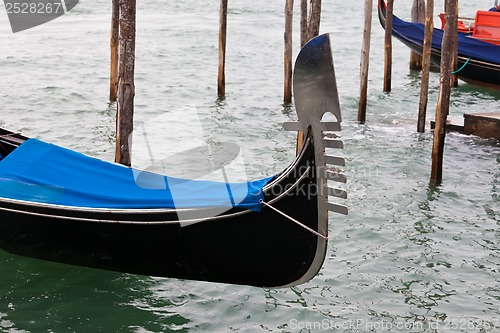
(478, 61)
(256, 241)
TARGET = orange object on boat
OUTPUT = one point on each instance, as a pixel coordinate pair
(487, 26)
(462, 26)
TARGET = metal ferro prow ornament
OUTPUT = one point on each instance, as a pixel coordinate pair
(316, 96)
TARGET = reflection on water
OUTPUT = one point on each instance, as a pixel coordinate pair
(105, 131)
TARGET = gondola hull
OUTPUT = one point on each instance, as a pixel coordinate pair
(240, 247)
(472, 66)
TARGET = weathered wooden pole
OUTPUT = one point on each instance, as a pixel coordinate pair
(454, 77)
(304, 38)
(303, 23)
(113, 44)
(310, 19)
(287, 99)
(417, 15)
(443, 105)
(365, 62)
(126, 87)
(388, 47)
(426, 66)
(314, 19)
(309, 28)
(221, 77)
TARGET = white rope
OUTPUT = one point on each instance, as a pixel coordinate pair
(294, 220)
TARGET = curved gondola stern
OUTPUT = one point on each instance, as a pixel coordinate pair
(318, 109)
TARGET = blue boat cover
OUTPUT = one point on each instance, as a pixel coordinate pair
(467, 46)
(46, 173)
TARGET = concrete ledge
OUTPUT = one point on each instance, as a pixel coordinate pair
(485, 125)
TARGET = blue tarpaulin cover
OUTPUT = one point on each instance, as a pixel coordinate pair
(46, 173)
(467, 46)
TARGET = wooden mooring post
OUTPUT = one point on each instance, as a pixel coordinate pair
(113, 44)
(314, 19)
(417, 15)
(221, 77)
(126, 87)
(365, 62)
(287, 93)
(388, 47)
(442, 109)
(426, 66)
(303, 23)
(309, 28)
(454, 77)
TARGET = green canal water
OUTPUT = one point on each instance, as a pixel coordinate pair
(409, 257)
